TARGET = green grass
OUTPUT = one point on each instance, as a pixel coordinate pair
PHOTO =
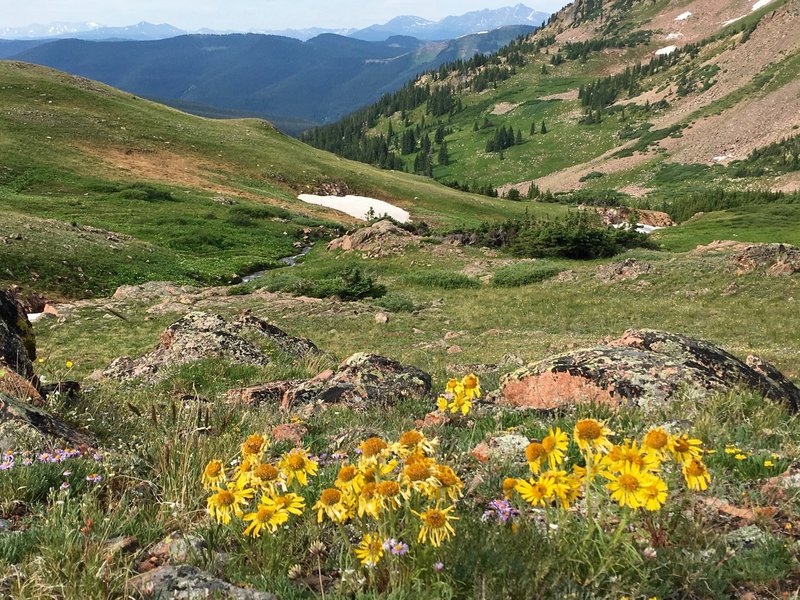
(771, 223)
(80, 152)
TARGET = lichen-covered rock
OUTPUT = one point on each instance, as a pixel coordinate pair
(642, 368)
(630, 268)
(383, 238)
(774, 259)
(17, 340)
(185, 582)
(362, 380)
(200, 335)
(23, 426)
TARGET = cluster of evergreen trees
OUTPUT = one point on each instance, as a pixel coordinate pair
(581, 50)
(605, 91)
(780, 157)
(505, 138)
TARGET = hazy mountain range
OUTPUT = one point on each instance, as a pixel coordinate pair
(295, 84)
(448, 28)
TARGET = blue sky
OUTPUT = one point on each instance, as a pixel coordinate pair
(243, 15)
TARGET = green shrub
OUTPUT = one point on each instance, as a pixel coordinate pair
(446, 280)
(523, 274)
(579, 235)
(395, 302)
(146, 192)
(348, 284)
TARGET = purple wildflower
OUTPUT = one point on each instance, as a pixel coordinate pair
(67, 473)
(438, 566)
(501, 510)
(27, 461)
(65, 486)
(94, 478)
(399, 548)
(7, 464)
(97, 457)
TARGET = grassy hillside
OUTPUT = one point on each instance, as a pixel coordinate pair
(202, 199)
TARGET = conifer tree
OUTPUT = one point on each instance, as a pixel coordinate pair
(544, 129)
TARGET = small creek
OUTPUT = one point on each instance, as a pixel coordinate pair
(289, 261)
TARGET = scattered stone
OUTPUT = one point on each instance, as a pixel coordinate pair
(177, 548)
(775, 259)
(381, 317)
(643, 368)
(383, 238)
(24, 426)
(454, 350)
(269, 393)
(123, 544)
(506, 447)
(185, 582)
(624, 214)
(452, 335)
(731, 289)
(152, 290)
(625, 270)
(19, 387)
(289, 432)
(362, 380)
(566, 276)
(200, 335)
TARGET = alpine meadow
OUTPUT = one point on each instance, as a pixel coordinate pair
(503, 305)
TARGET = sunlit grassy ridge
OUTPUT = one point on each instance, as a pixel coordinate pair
(83, 153)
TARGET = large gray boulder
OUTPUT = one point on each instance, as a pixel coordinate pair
(361, 381)
(200, 335)
(185, 582)
(642, 368)
(17, 340)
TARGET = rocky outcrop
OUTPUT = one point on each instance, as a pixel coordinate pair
(383, 238)
(23, 426)
(774, 260)
(17, 340)
(642, 368)
(200, 335)
(624, 270)
(626, 214)
(185, 582)
(361, 380)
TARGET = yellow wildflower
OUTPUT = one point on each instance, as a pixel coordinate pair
(656, 442)
(370, 550)
(226, 502)
(267, 516)
(471, 386)
(254, 446)
(535, 492)
(436, 526)
(296, 464)
(266, 477)
(509, 485)
(654, 493)
(696, 474)
(684, 449)
(330, 504)
(213, 474)
(628, 487)
(591, 435)
(292, 503)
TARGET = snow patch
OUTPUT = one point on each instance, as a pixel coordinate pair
(666, 50)
(33, 317)
(732, 21)
(686, 15)
(760, 4)
(674, 35)
(640, 227)
(722, 158)
(358, 206)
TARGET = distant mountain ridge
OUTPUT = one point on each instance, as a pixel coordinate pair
(292, 83)
(454, 26)
(448, 28)
(91, 31)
